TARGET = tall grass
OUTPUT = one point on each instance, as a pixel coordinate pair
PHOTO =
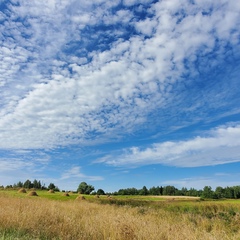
(39, 218)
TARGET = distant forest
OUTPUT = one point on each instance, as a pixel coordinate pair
(35, 184)
(206, 192)
(84, 188)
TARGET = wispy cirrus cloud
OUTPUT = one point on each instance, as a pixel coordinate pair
(201, 182)
(75, 172)
(21, 165)
(23, 160)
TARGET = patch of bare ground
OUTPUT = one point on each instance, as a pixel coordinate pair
(177, 197)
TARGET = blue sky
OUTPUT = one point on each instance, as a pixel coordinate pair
(121, 93)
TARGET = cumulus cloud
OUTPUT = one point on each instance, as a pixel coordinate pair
(220, 146)
(70, 75)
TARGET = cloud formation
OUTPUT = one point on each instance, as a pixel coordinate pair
(220, 146)
(201, 182)
(83, 73)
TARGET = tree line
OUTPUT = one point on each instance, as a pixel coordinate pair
(206, 192)
(37, 184)
(84, 188)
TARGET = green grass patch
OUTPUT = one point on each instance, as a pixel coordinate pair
(15, 234)
(41, 194)
(174, 203)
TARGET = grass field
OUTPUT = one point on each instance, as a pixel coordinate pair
(55, 216)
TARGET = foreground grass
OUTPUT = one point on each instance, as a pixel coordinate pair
(23, 217)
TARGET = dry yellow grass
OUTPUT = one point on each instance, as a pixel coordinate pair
(48, 219)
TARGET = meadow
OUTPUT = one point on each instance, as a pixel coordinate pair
(56, 216)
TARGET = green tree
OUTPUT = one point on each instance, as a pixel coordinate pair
(169, 190)
(207, 192)
(100, 192)
(161, 190)
(28, 184)
(133, 191)
(143, 191)
(193, 192)
(51, 186)
(19, 184)
(37, 184)
(236, 190)
(154, 191)
(219, 192)
(128, 191)
(184, 191)
(229, 192)
(121, 192)
(84, 188)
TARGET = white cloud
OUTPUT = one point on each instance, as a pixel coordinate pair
(75, 172)
(201, 182)
(221, 146)
(21, 165)
(146, 27)
(52, 96)
(121, 17)
(13, 164)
